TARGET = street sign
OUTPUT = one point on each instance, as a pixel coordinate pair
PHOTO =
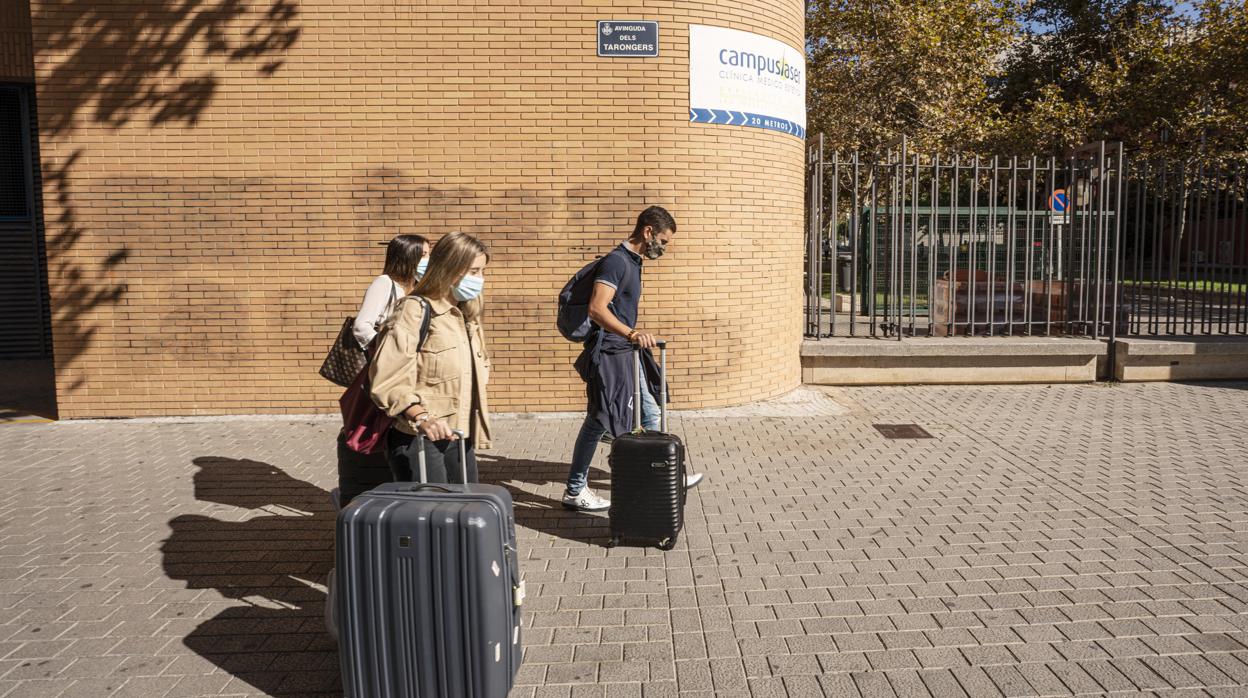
(1058, 201)
(628, 38)
(1058, 205)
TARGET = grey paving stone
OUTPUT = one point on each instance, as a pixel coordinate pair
(1102, 524)
(908, 684)
(975, 682)
(1010, 681)
(1204, 671)
(941, 683)
(873, 685)
(1074, 678)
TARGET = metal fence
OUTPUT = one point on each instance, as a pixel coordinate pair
(1185, 248)
(1092, 245)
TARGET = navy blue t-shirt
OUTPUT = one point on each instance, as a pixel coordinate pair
(621, 270)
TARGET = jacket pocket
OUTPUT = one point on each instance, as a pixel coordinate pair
(439, 360)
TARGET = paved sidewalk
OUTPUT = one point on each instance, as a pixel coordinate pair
(1049, 540)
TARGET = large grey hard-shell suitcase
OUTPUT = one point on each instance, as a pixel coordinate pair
(428, 591)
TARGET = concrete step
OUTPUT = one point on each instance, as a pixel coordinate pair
(1184, 358)
(852, 361)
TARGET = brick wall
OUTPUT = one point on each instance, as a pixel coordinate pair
(215, 184)
(15, 49)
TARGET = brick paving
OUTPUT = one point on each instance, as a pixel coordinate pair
(1048, 540)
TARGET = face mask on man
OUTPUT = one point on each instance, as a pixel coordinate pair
(468, 288)
(655, 248)
(422, 267)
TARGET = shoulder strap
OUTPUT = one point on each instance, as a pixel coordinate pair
(424, 323)
(390, 307)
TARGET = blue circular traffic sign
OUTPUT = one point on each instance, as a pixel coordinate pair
(1058, 201)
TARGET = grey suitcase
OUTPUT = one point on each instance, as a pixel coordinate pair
(428, 591)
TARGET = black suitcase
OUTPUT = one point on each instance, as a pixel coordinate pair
(428, 591)
(648, 474)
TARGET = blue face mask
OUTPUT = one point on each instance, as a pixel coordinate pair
(468, 288)
(421, 267)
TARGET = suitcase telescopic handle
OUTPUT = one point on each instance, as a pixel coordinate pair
(463, 455)
(424, 467)
(637, 383)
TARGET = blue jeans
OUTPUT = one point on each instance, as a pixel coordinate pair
(591, 433)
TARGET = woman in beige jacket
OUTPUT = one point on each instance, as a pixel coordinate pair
(436, 386)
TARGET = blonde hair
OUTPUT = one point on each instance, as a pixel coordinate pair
(449, 261)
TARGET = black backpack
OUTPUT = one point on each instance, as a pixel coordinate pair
(573, 321)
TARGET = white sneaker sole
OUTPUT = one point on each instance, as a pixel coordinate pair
(584, 510)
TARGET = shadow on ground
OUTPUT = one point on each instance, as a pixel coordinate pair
(546, 514)
(270, 560)
(275, 551)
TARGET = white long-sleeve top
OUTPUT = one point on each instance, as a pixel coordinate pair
(379, 300)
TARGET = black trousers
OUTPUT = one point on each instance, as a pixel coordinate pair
(359, 472)
(441, 459)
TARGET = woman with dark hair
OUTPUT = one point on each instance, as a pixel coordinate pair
(406, 256)
(434, 385)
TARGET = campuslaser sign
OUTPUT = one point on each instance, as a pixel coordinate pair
(743, 79)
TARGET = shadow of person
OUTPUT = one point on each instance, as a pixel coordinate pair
(273, 558)
(540, 513)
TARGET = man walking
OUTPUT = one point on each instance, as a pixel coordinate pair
(606, 362)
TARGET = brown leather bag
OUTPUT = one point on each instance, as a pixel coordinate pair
(345, 359)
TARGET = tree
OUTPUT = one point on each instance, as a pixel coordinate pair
(881, 69)
(1128, 70)
(1172, 87)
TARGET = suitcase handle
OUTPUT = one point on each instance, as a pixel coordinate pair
(429, 486)
(463, 457)
(662, 345)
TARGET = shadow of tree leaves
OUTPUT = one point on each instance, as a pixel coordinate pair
(145, 62)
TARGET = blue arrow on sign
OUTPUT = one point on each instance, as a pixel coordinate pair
(738, 118)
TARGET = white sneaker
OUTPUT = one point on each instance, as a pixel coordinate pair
(586, 501)
(693, 479)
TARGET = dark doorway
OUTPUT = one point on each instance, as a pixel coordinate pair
(26, 382)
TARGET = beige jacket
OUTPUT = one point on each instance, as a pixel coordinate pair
(447, 376)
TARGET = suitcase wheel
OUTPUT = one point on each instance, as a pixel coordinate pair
(667, 544)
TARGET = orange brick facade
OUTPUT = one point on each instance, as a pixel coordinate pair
(15, 42)
(215, 183)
